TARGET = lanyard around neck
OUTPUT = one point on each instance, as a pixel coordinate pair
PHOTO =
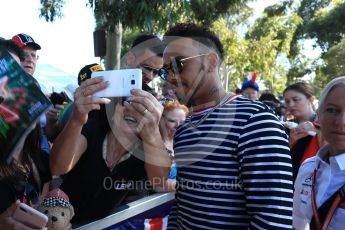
(339, 197)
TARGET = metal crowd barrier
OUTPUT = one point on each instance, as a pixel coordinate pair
(131, 210)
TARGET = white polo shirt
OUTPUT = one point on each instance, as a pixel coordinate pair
(329, 178)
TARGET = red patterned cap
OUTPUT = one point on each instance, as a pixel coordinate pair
(23, 40)
(56, 197)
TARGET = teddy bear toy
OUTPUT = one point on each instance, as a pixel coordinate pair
(59, 210)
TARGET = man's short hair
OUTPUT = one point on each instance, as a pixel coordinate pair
(12, 47)
(148, 41)
(201, 34)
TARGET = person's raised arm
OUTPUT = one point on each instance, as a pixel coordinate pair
(70, 144)
(157, 162)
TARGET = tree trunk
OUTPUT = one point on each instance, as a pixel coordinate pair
(114, 41)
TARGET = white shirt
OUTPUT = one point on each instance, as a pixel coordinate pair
(329, 178)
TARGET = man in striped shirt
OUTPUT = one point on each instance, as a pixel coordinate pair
(232, 154)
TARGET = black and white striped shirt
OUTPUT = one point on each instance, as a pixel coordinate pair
(233, 170)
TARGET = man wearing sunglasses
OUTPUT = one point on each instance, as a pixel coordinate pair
(146, 53)
(232, 156)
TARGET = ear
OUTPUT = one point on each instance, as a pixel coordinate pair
(130, 59)
(311, 100)
(71, 209)
(212, 62)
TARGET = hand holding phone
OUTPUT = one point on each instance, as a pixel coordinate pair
(30, 217)
(121, 82)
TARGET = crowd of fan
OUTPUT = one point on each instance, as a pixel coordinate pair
(243, 160)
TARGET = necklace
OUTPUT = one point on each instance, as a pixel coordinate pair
(224, 100)
(112, 163)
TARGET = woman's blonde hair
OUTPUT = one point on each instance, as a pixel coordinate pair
(336, 82)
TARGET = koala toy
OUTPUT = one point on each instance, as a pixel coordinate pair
(59, 210)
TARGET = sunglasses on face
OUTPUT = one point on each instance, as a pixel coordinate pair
(148, 70)
(176, 66)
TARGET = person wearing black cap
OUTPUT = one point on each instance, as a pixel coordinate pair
(65, 114)
(86, 71)
(30, 48)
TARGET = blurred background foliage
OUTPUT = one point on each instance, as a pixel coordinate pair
(274, 45)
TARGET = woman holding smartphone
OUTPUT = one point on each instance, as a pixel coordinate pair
(320, 184)
(103, 158)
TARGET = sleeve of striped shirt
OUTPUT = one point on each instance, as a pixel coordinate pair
(266, 171)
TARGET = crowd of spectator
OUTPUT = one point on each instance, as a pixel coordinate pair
(243, 160)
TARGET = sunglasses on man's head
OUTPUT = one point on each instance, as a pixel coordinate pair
(148, 70)
(175, 66)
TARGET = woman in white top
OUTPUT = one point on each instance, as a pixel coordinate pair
(322, 176)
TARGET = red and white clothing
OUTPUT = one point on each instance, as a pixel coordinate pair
(330, 176)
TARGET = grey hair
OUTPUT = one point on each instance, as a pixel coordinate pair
(336, 82)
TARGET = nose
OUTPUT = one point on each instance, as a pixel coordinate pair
(171, 76)
(341, 119)
(148, 76)
(54, 218)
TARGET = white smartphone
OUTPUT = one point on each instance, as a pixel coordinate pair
(121, 82)
(30, 216)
